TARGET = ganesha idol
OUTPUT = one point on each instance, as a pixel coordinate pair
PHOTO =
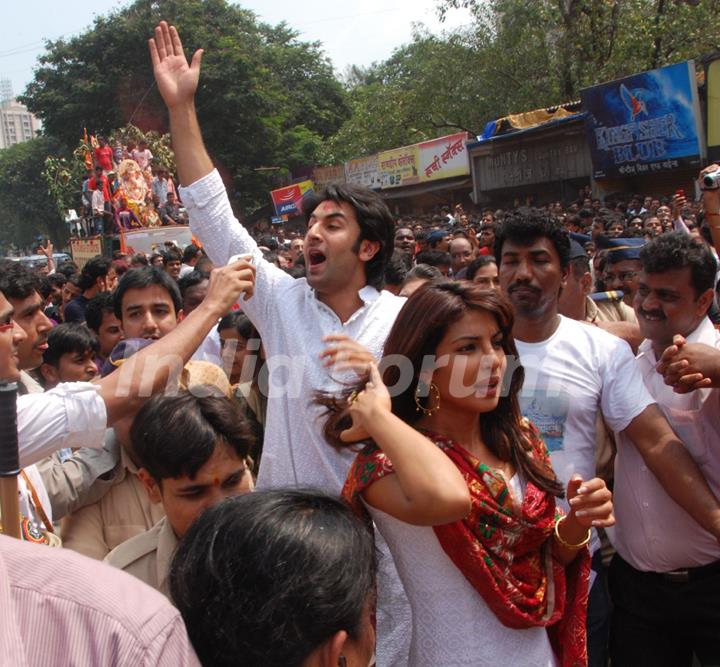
(133, 186)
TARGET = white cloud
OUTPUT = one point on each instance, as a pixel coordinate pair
(355, 33)
(351, 32)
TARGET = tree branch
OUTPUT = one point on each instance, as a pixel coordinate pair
(442, 122)
(657, 42)
(614, 14)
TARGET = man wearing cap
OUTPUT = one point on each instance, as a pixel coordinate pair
(608, 313)
(623, 267)
(438, 240)
(577, 302)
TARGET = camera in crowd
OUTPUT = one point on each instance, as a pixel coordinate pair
(711, 181)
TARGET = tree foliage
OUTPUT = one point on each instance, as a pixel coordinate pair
(26, 208)
(565, 45)
(265, 99)
(516, 56)
(424, 90)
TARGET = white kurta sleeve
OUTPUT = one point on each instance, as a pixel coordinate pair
(73, 414)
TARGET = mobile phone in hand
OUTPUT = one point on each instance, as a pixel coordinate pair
(245, 256)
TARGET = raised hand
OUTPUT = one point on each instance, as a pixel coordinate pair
(177, 80)
(227, 284)
(679, 202)
(47, 249)
(365, 405)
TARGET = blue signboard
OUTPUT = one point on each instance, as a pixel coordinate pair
(645, 123)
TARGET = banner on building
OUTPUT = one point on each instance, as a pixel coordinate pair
(645, 123)
(363, 171)
(445, 157)
(288, 200)
(323, 176)
(83, 250)
(399, 166)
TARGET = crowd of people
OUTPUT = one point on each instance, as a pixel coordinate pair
(124, 189)
(428, 441)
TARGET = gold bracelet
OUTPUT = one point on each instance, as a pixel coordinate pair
(567, 545)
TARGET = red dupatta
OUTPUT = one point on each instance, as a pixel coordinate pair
(505, 552)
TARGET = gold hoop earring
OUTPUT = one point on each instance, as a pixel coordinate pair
(432, 393)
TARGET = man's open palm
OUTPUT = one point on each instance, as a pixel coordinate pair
(177, 81)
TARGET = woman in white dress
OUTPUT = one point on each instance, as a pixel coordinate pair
(462, 490)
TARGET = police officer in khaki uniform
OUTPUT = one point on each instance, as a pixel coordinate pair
(623, 266)
(147, 556)
(192, 453)
(577, 303)
(608, 307)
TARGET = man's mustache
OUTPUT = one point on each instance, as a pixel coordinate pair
(523, 286)
(652, 313)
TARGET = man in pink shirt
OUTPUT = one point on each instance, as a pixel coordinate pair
(62, 608)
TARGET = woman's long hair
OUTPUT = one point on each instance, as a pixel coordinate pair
(420, 326)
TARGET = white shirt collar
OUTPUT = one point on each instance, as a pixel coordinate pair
(705, 332)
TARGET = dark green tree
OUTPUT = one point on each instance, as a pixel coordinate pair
(515, 56)
(425, 89)
(266, 99)
(561, 46)
(26, 208)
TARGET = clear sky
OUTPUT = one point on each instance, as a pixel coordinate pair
(352, 32)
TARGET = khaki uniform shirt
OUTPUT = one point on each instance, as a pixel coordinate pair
(123, 512)
(36, 507)
(147, 556)
(81, 479)
(608, 310)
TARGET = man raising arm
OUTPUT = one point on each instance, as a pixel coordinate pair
(67, 415)
(348, 243)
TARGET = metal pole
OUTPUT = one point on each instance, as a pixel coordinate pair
(9, 460)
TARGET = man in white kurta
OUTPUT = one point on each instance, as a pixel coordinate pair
(349, 239)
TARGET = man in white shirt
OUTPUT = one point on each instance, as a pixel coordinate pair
(142, 156)
(190, 258)
(76, 414)
(98, 208)
(665, 577)
(21, 287)
(348, 242)
(573, 371)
